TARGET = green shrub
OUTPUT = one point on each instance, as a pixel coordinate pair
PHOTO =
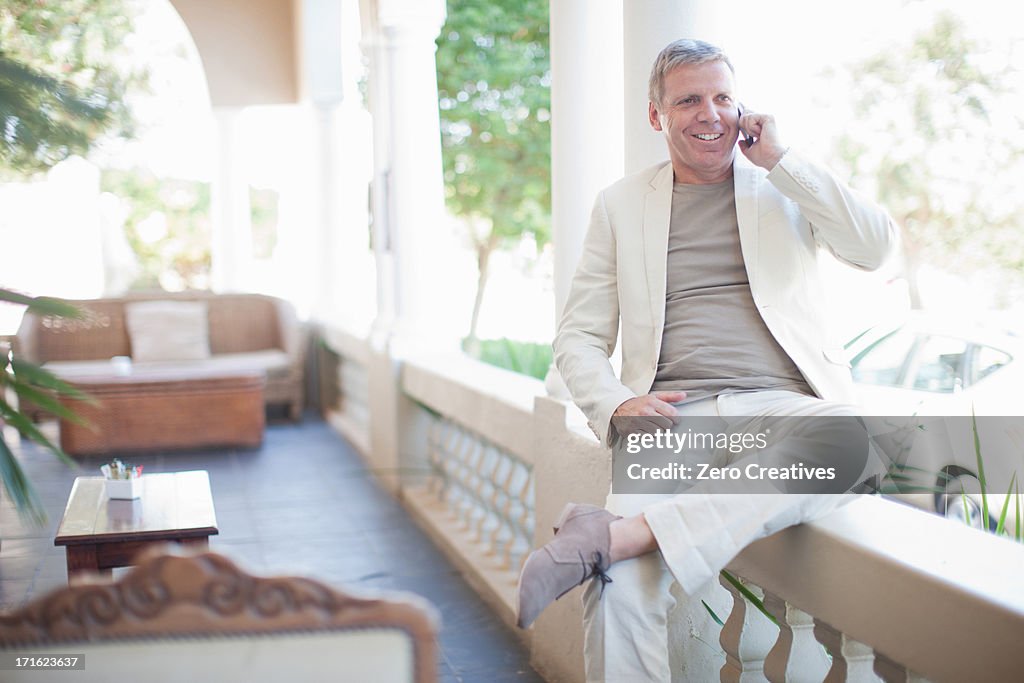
(526, 358)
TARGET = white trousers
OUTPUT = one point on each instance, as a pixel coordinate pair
(626, 629)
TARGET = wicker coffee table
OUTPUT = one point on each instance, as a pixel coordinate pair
(100, 533)
(154, 410)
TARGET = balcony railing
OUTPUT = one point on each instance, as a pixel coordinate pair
(486, 488)
(874, 591)
(349, 371)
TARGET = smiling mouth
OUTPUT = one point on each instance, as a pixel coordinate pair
(708, 137)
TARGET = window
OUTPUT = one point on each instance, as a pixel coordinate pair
(984, 361)
(940, 365)
(883, 361)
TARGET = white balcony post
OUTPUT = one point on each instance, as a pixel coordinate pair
(372, 45)
(586, 128)
(321, 71)
(355, 277)
(339, 157)
(852, 661)
(796, 657)
(231, 244)
(747, 637)
(409, 221)
(414, 223)
(648, 27)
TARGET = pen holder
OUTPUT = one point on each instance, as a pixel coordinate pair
(124, 489)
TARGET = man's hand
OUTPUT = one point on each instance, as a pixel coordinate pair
(767, 150)
(656, 407)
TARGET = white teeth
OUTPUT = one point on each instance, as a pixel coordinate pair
(708, 136)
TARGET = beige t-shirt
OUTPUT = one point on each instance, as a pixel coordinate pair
(714, 341)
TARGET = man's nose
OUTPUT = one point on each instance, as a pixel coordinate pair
(708, 113)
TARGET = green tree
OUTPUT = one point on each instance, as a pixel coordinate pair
(494, 91)
(937, 139)
(62, 88)
(64, 72)
(167, 227)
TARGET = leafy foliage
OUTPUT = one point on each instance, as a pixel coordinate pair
(526, 358)
(494, 76)
(936, 140)
(43, 120)
(167, 227)
(32, 383)
(63, 79)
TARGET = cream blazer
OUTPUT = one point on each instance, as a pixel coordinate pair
(786, 218)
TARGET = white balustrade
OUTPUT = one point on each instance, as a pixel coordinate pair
(350, 414)
(747, 637)
(799, 649)
(354, 391)
(852, 662)
(487, 489)
(797, 656)
(867, 593)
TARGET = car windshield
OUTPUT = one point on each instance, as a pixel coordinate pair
(884, 361)
(919, 360)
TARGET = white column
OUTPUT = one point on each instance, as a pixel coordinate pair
(231, 243)
(372, 45)
(339, 156)
(321, 78)
(649, 26)
(408, 212)
(586, 128)
(415, 202)
(354, 278)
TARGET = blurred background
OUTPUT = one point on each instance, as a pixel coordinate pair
(149, 158)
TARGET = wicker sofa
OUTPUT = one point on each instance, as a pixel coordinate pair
(246, 333)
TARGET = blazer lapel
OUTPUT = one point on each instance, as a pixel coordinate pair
(745, 181)
(657, 217)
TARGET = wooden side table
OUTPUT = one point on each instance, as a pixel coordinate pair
(100, 533)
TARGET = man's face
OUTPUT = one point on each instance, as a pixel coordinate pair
(699, 117)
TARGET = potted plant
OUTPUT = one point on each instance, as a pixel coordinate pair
(24, 381)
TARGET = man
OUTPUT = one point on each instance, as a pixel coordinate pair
(709, 261)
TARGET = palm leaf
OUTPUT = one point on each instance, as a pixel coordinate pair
(42, 305)
(981, 470)
(19, 488)
(749, 595)
(1001, 526)
(48, 402)
(28, 429)
(44, 120)
(1019, 530)
(714, 616)
(42, 377)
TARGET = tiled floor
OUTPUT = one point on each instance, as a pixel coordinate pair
(303, 503)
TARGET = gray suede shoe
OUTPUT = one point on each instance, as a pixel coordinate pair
(578, 552)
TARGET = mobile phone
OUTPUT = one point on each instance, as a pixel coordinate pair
(748, 138)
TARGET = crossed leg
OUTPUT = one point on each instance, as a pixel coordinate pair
(626, 623)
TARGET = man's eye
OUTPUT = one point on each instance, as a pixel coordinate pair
(725, 98)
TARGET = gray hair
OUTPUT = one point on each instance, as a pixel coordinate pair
(677, 53)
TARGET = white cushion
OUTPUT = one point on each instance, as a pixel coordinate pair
(270, 361)
(168, 330)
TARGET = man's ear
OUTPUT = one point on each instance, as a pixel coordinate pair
(653, 116)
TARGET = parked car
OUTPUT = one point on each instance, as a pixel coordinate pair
(938, 373)
(930, 366)
(927, 377)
